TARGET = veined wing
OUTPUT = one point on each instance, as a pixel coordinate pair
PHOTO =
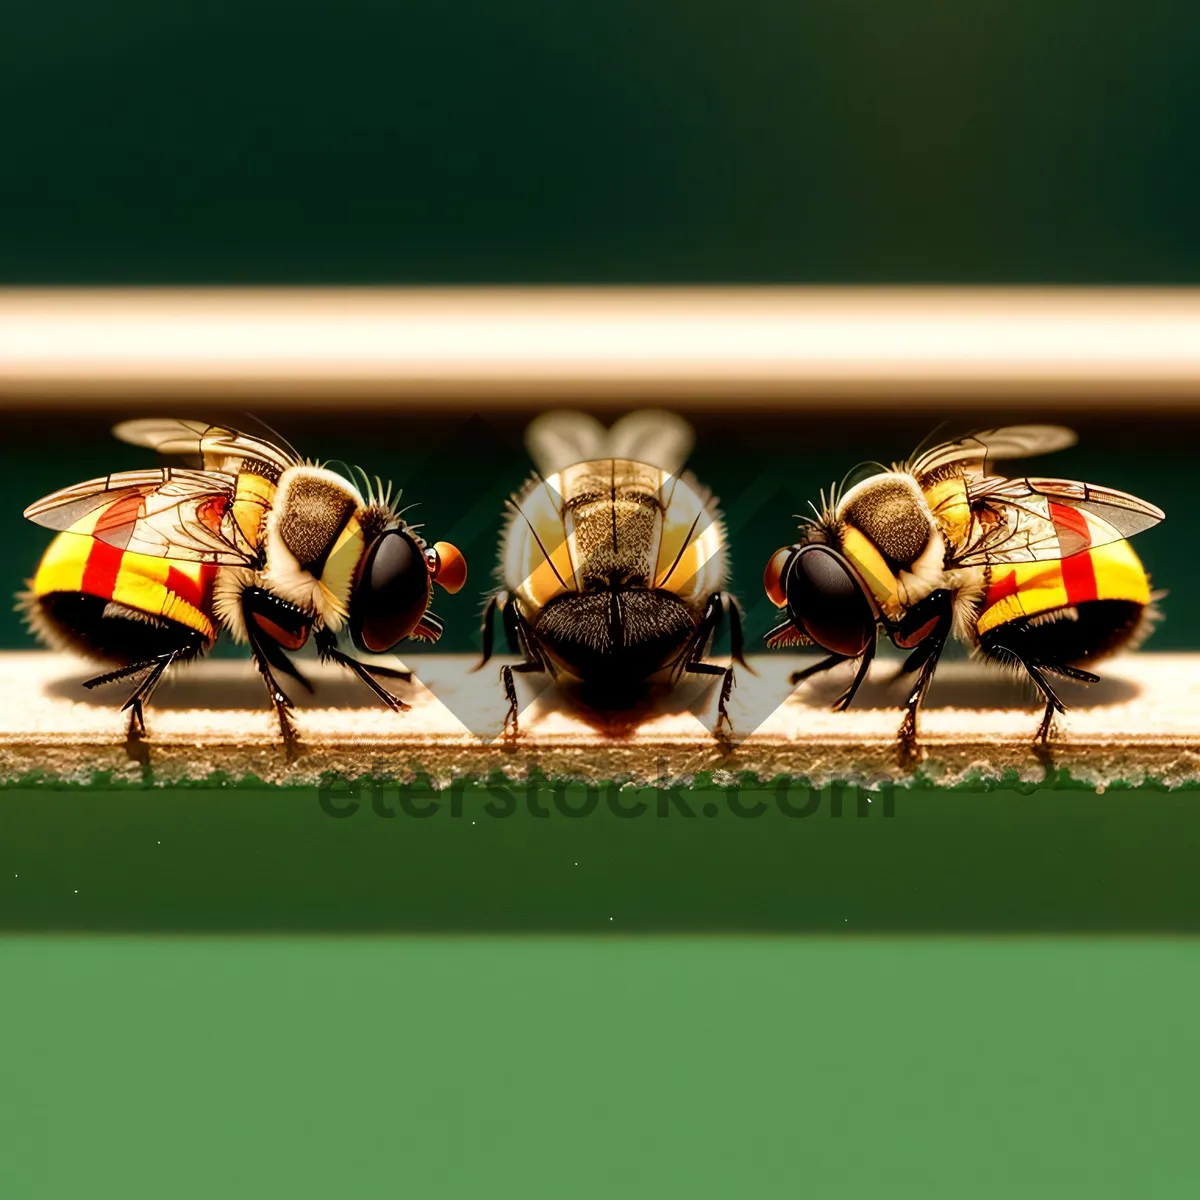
(1039, 520)
(972, 453)
(166, 512)
(558, 440)
(214, 447)
(537, 547)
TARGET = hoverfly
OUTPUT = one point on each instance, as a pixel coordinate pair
(149, 565)
(612, 561)
(1032, 573)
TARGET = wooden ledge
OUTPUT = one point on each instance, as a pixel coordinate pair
(1141, 724)
(501, 348)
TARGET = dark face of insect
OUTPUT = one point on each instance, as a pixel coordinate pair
(827, 601)
(390, 594)
(614, 639)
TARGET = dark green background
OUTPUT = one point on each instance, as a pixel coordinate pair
(634, 140)
(365, 858)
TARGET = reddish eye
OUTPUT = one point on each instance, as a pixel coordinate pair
(447, 566)
(773, 575)
(390, 594)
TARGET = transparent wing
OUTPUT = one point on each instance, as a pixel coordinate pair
(975, 451)
(559, 440)
(1038, 520)
(662, 439)
(167, 512)
(214, 447)
(691, 551)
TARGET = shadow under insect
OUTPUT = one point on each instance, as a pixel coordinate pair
(186, 691)
(962, 685)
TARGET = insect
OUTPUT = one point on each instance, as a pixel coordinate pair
(612, 561)
(1032, 573)
(150, 565)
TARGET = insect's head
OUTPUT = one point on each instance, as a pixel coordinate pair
(392, 584)
(824, 596)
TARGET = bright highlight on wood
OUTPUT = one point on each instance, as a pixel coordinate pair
(1141, 723)
(503, 348)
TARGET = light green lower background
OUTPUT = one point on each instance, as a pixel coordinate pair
(588, 1066)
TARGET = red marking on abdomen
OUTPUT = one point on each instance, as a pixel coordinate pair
(1001, 589)
(1079, 577)
(197, 592)
(101, 569)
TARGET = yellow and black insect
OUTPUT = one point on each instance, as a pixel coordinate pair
(612, 561)
(1033, 573)
(149, 565)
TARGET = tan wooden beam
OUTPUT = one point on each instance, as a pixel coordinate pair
(698, 348)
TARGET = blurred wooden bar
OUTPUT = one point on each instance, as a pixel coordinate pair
(502, 349)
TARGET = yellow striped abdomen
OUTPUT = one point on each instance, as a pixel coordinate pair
(1017, 590)
(175, 591)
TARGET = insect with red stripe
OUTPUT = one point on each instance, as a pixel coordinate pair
(148, 566)
(1032, 573)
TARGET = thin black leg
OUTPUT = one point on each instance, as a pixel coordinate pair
(843, 701)
(504, 603)
(737, 636)
(142, 693)
(914, 662)
(1070, 672)
(926, 658)
(719, 605)
(281, 704)
(391, 673)
(329, 652)
(518, 632)
(154, 668)
(278, 697)
(121, 673)
(1053, 704)
(826, 664)
(727, 681)
(487, 630)
(510, 689)
(1008, 647)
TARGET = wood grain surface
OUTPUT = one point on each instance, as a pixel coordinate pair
(1140, 724)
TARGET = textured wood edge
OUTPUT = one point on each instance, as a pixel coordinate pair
(1144, 730)
(870, 767)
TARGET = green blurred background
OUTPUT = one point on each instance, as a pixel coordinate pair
(659, 141)
(997, 141)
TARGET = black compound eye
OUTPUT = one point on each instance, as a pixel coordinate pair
(390, 594)
(827, 601)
